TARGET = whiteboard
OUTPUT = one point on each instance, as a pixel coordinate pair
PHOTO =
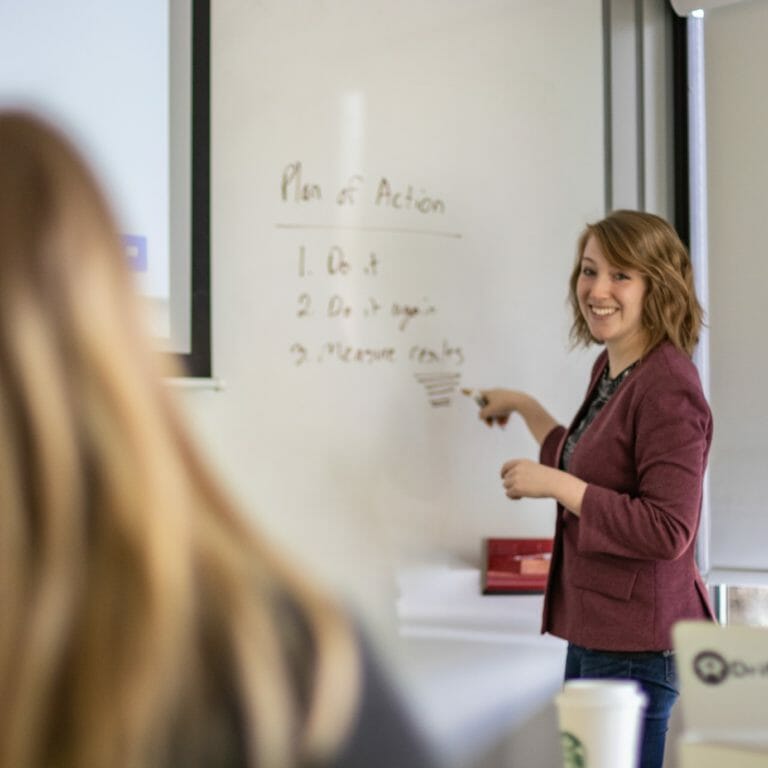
(397, 192)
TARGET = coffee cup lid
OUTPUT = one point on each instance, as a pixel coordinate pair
(602, 691)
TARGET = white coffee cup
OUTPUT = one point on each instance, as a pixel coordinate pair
(600, 723)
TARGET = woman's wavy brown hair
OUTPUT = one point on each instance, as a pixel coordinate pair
(646, 243)
(141, 618)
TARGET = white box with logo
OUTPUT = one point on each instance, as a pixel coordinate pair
(723, 675)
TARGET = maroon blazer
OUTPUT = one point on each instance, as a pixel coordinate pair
(624, 572)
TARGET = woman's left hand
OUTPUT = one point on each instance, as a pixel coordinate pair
(526, 478)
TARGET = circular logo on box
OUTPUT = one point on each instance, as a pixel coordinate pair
(710, 667)
(574, 752)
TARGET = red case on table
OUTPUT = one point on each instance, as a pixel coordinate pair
(515, 566)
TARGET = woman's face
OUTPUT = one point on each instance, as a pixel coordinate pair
(611, 300)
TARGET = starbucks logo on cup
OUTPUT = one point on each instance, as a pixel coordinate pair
(574, 752)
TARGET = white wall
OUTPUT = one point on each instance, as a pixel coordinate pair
(736, 58)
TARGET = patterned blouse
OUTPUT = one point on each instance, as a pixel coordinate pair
(605, 390)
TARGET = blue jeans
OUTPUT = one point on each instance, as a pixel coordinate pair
(656, 674)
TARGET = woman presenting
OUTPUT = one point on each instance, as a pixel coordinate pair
(627, 473)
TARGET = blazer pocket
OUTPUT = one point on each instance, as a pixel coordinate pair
(604, 577)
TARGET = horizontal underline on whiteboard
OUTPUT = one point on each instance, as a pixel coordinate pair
(397, 230)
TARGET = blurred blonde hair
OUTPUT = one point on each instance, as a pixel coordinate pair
(647, 243)
(130, 587)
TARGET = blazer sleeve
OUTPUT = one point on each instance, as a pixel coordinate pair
(659, 521)
(548, 450)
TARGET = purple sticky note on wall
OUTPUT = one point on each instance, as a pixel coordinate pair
(136, 251)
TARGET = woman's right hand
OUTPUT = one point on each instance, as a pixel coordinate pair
(499, 405)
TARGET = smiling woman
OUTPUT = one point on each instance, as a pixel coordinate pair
(627, 473)
(632, 243)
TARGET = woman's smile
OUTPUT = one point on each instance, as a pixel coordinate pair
(603, 311)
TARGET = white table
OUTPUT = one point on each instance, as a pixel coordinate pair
(480, 677)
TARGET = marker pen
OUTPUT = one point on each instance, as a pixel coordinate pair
(476, 395)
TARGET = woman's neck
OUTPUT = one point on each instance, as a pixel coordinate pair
(621, 356)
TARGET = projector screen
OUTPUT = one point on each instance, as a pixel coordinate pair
(119, 79)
